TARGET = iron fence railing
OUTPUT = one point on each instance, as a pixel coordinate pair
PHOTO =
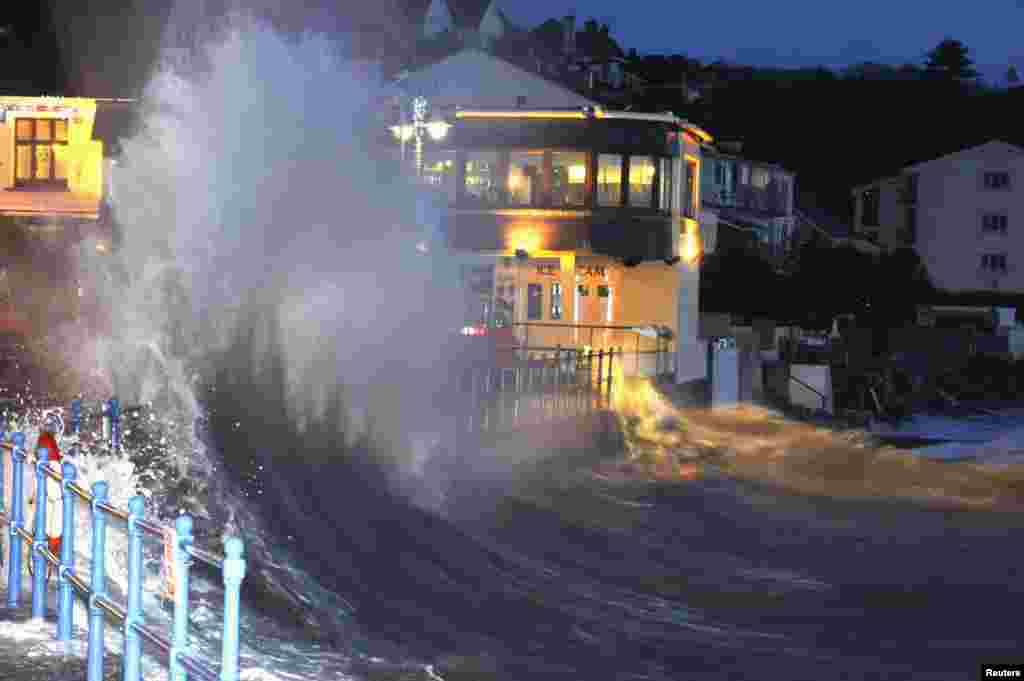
(94, 594)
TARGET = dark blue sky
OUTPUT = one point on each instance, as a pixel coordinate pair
(801, 32)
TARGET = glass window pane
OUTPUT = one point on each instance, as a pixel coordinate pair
(641, 181)
(24, 162)
(609, 180)
(439, 173)
(525, 178)
(24, 128)
(60, 162)
(690, 205)
(556, 300)
(61, 130)
(482, 178)
(665, 192)
(43, 130)
(44, 160)
(569, 182)
(534, 301)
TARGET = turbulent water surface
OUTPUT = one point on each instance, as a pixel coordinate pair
(289, 347)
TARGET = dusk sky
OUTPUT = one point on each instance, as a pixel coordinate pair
(801, 32)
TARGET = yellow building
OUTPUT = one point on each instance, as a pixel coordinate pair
(585, 221)
(52, 155)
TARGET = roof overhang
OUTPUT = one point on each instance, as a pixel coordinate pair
(588, 113)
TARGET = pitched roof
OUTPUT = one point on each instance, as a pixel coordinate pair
(1010, 149)
(465, 13)
(468, 13)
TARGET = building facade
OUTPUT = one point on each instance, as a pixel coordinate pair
(963, 214)
(749, 198)
(579, 220)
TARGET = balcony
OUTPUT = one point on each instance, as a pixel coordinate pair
(619, 233)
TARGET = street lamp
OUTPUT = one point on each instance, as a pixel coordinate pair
(436, 128)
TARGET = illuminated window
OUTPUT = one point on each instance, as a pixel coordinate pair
(556, 300)
(690, 202)
(609, 180)
(534, 301)
(41, 151)
(760, 178)
(526, 178)
(482, 182)
(665, 185)
(439, 172)
(641, 181)
(569, 178)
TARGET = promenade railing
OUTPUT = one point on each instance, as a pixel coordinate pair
(181, 664)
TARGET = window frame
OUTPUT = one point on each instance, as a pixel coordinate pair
(33, 143)
(876, 213)
(993, 186)
(530, 287)
(995, 223)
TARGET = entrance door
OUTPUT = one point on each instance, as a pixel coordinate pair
(39, 154)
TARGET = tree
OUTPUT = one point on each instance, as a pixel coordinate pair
(1012, 77)
(951, 59)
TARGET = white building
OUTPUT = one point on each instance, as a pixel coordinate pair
(963, 213)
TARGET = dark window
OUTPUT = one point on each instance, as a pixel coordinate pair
(690, 202)
(994, 222)
(997, 180)
(534, 301)
(40, 151)
(994, 262)
(556, 300)
(521, 101)
(869, 208)
(719, 172)
(912, 223)
(912, 188)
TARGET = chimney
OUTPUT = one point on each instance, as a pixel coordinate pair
(569, 35)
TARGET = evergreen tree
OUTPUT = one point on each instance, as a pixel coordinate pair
(951, 59)
(1012, 77)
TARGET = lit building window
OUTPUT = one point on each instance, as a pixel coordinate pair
(569, 181)
(609, 180)
(40, 156)
(665, 185)
(482, 182)
(556, 300)
(526, 178)
(641, 181)
(690, 202)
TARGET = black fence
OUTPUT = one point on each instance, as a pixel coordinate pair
(539, 385)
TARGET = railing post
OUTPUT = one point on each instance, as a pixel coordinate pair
(40, 564)
(132, 641)
(17, 519)
(182, 563)
(115, 424)
(600, 371)
(76, 416)
(98, 583)
(3, 436)
(234, 572)
(65, 597)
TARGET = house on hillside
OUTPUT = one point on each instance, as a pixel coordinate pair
(475, 23)
(963, 213)
(753, 201)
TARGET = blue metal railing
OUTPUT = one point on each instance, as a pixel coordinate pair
(100, 606)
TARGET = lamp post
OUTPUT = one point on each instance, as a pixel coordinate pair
(435, 127)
